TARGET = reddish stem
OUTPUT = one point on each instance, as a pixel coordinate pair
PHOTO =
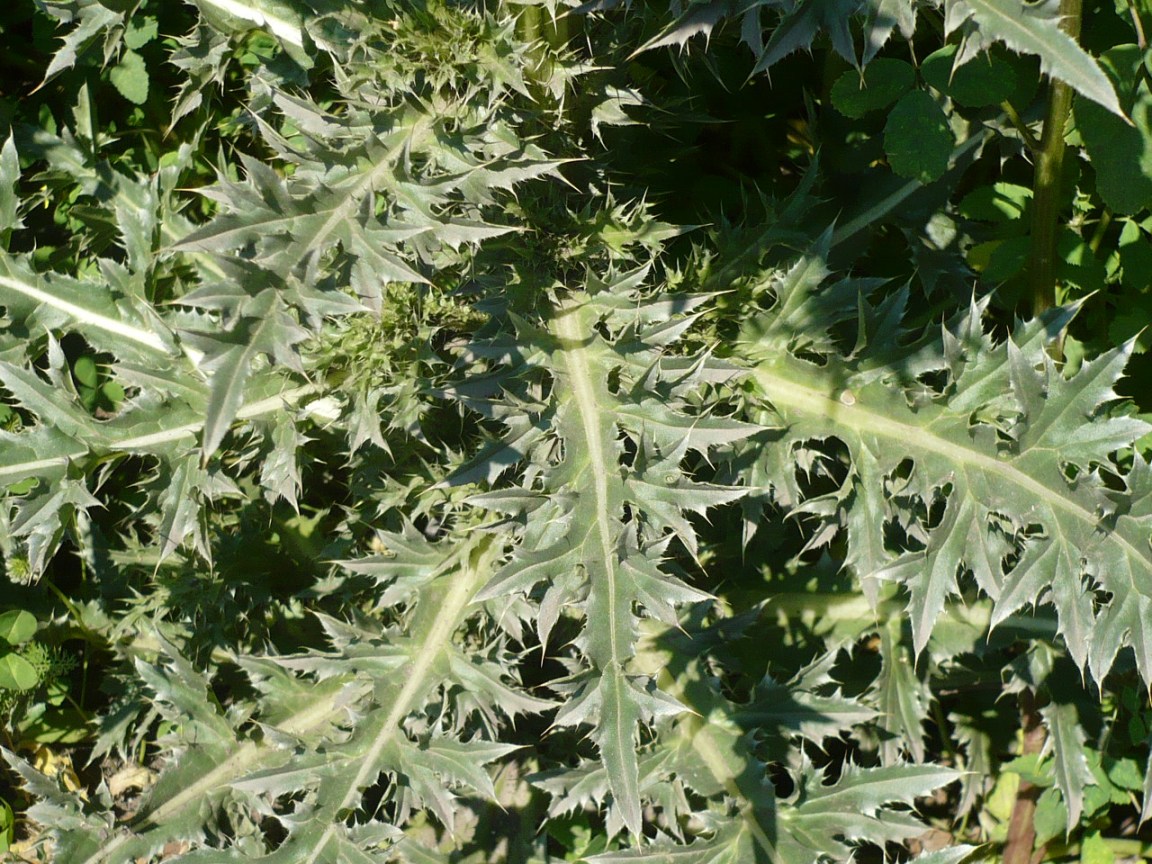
(1018, 849)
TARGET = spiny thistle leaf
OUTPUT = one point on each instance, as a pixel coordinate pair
(585, 551)
(1032, 28)
(984, 445)
(9, 200)
(305, 744)
(403, 533)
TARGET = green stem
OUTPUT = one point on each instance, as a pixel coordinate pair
(1046, 185)
(90, 636)
(545, 38)
(528, 24)
(1020, 126)
(942, 726)
(1101, 228)
(1138, 24)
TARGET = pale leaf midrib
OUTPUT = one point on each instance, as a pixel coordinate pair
(813, 402)
(250, 411)
(713, 757)
(282, 28)
(701, 734)
(574, 333)
(351, 199)
(138, 335)
(242, 759)
(470, 576)
(469, 579)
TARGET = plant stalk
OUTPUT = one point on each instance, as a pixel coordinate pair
(1020, 126)
(1021, 825)
(1046, 184)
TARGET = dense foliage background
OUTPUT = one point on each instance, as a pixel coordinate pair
(445, 431)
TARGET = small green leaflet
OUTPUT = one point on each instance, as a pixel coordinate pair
(130, 77)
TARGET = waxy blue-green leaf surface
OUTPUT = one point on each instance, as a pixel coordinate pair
(413, 486)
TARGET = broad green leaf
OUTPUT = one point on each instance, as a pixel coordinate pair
(17, 626)
(619, 724)
(902, 699)
(985, 79)
(880, 84)
(140, 31)
(712, 749)
(1000, 202)
(16, 673)
(459, 763)
(289, 229)
(869, 513)
(734, 842)
(280, 473)
(699, 20)
(917, 138)
(183, 694)
(816, 824)
(42, 453)
(45, 452)
(784, 712)
(229, 375)
(583, 545)
(78, 829)
(857, 806)
(1068, 744)
(279, 18)
(1121, 152)
(85, 371)
(55, 407)
(865, 791)
(610, 639)
(267, 330)
(92, 21)
(1051, 819)
(532, 341)
(485, 681)
(90, 308)
(304, 745)
(800, 25)
(883, 18)
(130, 77)
(180, 506)
(44, 515)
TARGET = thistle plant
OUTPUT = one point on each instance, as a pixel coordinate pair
(421, 487)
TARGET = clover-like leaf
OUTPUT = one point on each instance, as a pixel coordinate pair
(17, 626)
(16, 673)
